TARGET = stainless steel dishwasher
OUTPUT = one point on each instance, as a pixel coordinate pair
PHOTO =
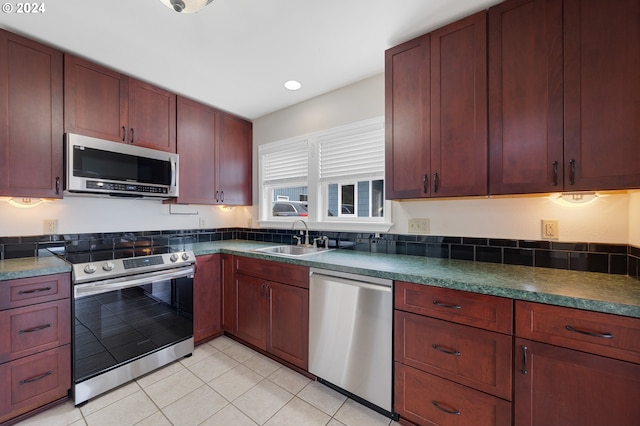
(350, 334)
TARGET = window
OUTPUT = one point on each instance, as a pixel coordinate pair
(335, 176)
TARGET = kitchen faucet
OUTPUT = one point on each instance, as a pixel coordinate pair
(306, 235)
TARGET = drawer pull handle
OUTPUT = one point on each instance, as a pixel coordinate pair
(35, 290)
(32, 329)
(35, 378)
(437, 405)
(446, 351)
(589, 333)
(446, 305)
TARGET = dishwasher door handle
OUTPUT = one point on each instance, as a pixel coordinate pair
(346, 281)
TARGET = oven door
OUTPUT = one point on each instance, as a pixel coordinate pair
(121, 320)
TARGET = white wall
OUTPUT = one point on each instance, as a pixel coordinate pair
(612, 218)
(88, 214)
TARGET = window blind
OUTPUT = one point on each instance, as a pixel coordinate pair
(357, 152)
(285, 162)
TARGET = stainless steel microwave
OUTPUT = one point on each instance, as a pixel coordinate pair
(99, 167)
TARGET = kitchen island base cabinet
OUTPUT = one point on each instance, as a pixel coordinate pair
(272, 308)
(425, 399)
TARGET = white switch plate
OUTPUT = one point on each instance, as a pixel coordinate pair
(50, 226)
(550, 229)
(419, 226)
(202, 222)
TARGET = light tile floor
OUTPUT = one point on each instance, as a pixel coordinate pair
(222, 383)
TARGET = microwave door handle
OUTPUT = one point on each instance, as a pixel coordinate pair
(174, 176)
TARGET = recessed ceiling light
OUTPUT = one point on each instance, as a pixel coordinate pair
(292, 85)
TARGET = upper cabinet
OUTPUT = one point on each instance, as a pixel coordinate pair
(436, 112)
(459, 108)
(564, 97)
(525, 97)
(103, 103)
(31, 103)
(215, 151)
(234, 150)
(602, 94)
(407, 137)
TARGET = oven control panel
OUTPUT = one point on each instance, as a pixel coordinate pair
(107, 269)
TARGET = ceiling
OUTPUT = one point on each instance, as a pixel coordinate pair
(236, 54)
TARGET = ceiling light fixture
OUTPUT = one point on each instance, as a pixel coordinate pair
(292, 85)
(186, 6)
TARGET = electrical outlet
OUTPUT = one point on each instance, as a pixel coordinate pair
(50, 226)
(419, 226)
(550, 229)
(202, 223)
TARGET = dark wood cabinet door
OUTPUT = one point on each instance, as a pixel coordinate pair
(233, 161)
(407, 137)
(425, 399)
(470, 356)
(289, 323)
(559, 386)
(95, 100)
(459, 108)
(31, 118)
(196, 133)
(228, 294)
(251, 313)
(602, 94)
(207, 298)
(152, 116)
(31, 382)
(525, 97)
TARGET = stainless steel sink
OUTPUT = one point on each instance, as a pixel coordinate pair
(294, 251)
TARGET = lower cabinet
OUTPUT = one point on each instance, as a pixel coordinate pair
(35, 342)
(575, 367)
(272, 308)
(453, 356)
(559, 386)
(207, 298)
(426, 399)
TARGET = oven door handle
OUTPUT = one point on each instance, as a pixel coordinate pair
(88, 289)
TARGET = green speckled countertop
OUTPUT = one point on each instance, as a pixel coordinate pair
(616, 294)
(32, 267)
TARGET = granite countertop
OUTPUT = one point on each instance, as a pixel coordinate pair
(615, 294)
(32, 267)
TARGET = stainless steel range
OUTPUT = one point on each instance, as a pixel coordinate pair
(133, 311)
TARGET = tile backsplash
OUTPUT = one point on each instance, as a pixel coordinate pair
(578, 256)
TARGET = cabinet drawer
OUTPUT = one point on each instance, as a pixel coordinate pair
(25, 331)
(33, 381)
(429, 400)
(470, 356)
(273, 271)
(598, 333)
(27, 291)
(477, 310)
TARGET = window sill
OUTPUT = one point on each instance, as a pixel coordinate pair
(329, 226)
